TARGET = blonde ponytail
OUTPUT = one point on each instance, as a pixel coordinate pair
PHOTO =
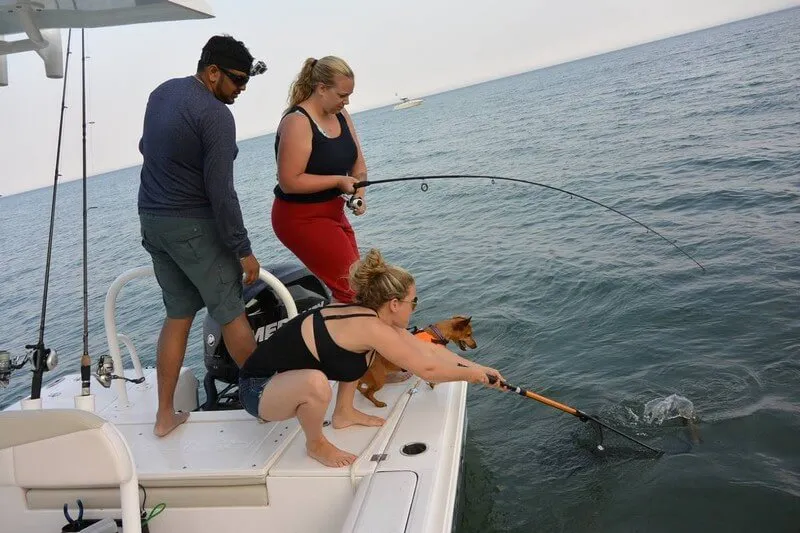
(314, 72)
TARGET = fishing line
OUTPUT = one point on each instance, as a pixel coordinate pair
(424, 188)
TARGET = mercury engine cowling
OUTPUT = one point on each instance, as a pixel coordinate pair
(265, 313)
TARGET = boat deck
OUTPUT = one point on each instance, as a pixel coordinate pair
(258, 474)
(225, 444)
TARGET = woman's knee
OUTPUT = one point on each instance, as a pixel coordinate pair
(285, 392)
(318, 386)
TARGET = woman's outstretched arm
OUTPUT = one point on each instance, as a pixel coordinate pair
(448, 357)
(410, 353)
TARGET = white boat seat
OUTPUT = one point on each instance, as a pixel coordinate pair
(62, 448)
(57, 449)
(217, 459)
(23, 428)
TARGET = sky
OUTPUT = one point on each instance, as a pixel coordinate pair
(414, 48)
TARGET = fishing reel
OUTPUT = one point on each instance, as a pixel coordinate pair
(47, 357)
(355, 202)
(38, 354)
(105, 372)
(7, 366)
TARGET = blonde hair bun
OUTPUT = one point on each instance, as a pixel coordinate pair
(375, 281)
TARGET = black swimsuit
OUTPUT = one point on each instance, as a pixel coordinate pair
(330, 156)
(286, 350)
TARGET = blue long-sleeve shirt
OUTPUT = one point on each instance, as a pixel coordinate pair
(189, 145)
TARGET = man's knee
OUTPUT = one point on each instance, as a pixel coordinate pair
(239, 338)
(178, 324)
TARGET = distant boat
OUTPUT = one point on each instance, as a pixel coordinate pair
(405, 103)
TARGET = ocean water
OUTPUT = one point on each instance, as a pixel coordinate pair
(698, 136)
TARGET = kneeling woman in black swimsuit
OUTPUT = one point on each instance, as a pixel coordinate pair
(287, 375)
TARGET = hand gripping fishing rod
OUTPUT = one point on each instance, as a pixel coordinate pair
(583, 417)
(424, 187)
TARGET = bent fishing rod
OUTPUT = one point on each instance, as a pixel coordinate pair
(583, 417)
(353, 200)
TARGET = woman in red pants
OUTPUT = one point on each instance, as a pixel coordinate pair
(319, 158)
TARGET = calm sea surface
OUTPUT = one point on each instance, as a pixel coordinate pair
(698, 136)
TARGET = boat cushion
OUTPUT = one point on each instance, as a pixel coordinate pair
(23, 427)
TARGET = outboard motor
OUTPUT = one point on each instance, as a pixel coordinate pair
(266, 313)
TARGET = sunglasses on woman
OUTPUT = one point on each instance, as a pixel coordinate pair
(413, 302)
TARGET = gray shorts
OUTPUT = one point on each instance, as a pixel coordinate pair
(193, 267)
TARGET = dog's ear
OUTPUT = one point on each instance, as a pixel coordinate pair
(461, 321)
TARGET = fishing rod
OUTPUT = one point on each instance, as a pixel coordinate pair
(86, 361)
(43, 358)
(583, 417)
(353, 202)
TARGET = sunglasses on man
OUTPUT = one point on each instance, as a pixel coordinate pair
(240, 80)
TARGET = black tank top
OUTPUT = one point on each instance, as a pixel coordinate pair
(329, 157)
(286, 350)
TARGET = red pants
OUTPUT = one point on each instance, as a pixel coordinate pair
(320, 235)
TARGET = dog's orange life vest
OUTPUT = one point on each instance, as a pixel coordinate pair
(425, 336)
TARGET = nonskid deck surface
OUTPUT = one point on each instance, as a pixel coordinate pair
(231, 447)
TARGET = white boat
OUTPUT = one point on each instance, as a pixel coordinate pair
(222, 470)
(405, 103)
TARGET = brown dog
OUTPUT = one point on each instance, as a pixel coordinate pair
(457, 329)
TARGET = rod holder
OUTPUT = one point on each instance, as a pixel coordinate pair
(85, 403)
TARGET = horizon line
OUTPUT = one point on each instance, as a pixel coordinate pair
(444, 91)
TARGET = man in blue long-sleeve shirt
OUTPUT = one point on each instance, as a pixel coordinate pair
(189, 211)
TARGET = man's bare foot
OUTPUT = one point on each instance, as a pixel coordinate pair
(352, 417)
(167, 422)
(397, 377)
(328, 454)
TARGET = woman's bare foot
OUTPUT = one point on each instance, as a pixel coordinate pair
(168, 421)
(328, 454)
(351, 417)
